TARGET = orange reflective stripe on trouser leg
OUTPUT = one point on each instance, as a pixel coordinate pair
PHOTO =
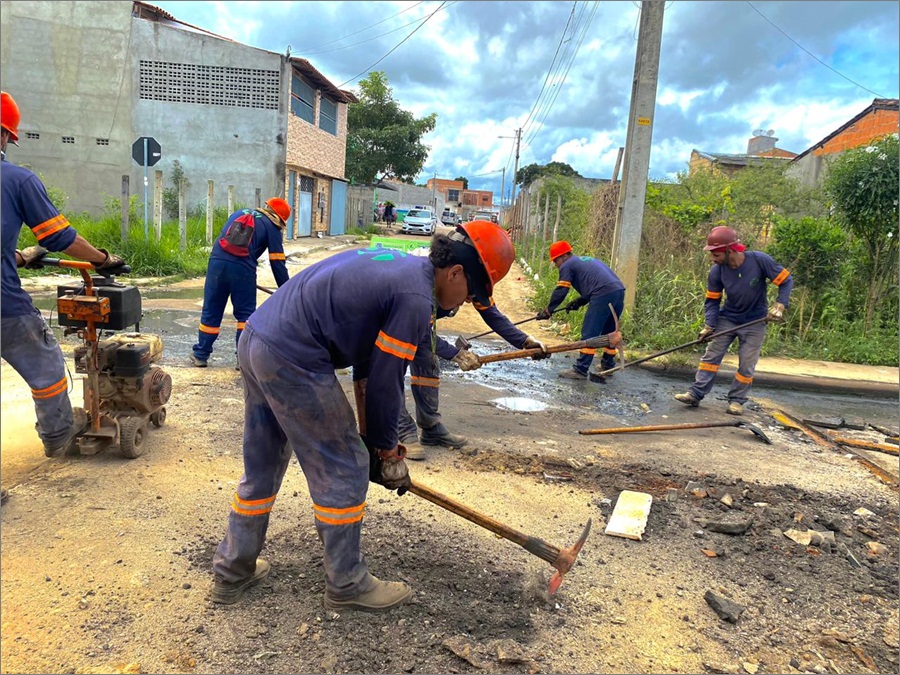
(710, 367)
(53, 390)
(743, 379)
(212, 330)
(252, 507)
(332, 516)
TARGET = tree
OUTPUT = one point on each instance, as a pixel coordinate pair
(863, 184)
(465, 181)
(528, 174)
(383, 140)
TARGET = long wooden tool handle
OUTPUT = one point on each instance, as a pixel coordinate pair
(533, 545)
(523, 353)
(658, 427)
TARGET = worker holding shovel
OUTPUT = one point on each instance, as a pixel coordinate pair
(741, 275)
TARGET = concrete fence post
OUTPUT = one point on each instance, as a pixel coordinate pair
(182, 216)
(230, 199)
(126, 204)
(158, 205)
(209, 213)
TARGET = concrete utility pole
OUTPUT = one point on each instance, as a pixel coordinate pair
(633, 190)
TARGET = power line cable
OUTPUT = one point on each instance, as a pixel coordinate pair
(836, 72)
(369, 68)
(362, 30)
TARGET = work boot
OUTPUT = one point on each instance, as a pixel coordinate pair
(688, 398)
(70, 441)
(194, 361)
(735, 408)
(439, 435)
(572, 374)
(225, 593)
(382, 596)
(414, 449)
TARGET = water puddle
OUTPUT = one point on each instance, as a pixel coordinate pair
(519, 404)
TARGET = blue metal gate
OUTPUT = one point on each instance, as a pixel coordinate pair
(338, 207)
(292, 182)
(304, 217)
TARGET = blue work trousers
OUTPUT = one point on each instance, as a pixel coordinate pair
(598, 320)
(29, 346)
(750, 341)
(224, 279)
(288, 407)
(425, 381)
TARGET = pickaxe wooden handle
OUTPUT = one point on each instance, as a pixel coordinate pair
(561, 559)
(264, 289)
(592, 343)
(677, 427)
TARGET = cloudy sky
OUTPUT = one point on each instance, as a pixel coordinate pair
(562, 72)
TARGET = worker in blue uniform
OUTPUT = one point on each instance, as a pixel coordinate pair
(27, 343)
(742, 276)
(598, 287)
(231, 272)
(374, 307)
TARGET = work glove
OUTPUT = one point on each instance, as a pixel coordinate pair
(388, 468)
(576, 304)
(776, 313)
(112, 265)
(533, 343)
(466, 360)
(31, 257)
(615, 339)
(543, 314)
(705, 332)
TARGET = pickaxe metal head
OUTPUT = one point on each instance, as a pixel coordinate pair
(757, 431)
(566, 560)
(462, 343)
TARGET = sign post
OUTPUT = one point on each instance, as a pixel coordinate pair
(146, 152)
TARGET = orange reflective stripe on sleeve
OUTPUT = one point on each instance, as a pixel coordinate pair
(711, 367)
(394, 347)
(212, 330)
(784, 274)
(276, 256)
(712, 295)
(240, 324)
(565, 284)
(419, 381)
(49, 227)
(51, 391)
(481, 307)
(255, 507)
(331, 516)
(743, 379)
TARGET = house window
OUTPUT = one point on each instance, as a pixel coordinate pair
(102, 141)
(68, 140)
(328, 116)
(452, 195)
(32, 135)
(303, 99)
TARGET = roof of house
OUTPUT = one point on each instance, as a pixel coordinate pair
(739, 159)
(145, 10)
(308, 71)
(877, 104)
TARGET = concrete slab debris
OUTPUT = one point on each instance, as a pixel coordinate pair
(629, 517)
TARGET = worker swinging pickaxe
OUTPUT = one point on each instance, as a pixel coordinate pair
(465, 343)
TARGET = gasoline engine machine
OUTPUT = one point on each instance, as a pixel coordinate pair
(124, 391)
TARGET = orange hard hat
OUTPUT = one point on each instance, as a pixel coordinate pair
(279, 207)
(559, 248)
(9, 115)
(720, 237)
(494, 247)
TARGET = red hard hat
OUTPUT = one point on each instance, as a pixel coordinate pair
(494, 247)
(559, 248)
(280, 207)
(9, 115)
(720, 237)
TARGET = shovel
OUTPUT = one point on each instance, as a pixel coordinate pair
(674, 427)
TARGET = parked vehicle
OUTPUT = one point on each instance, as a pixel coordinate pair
(419, 221)
(489, 216)
(449, 218)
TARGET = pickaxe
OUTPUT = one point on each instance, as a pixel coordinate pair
(464, 343)
(620, 348)
(708, 338)
(264, 289)
(561, 559)
(591, 343)
(674, 427)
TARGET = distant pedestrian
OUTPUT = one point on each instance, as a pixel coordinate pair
(379, 212)
(599, 287)
(27, 343)
(742, 276)
(231, 272)
(390, 213)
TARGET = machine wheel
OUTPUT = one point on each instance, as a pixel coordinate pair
(132, 434)
(158, 417)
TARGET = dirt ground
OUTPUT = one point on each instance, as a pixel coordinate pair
(106, 561)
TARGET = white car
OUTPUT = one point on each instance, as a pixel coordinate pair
(419, 221)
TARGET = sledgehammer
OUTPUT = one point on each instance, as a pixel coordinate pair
(561, 559)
